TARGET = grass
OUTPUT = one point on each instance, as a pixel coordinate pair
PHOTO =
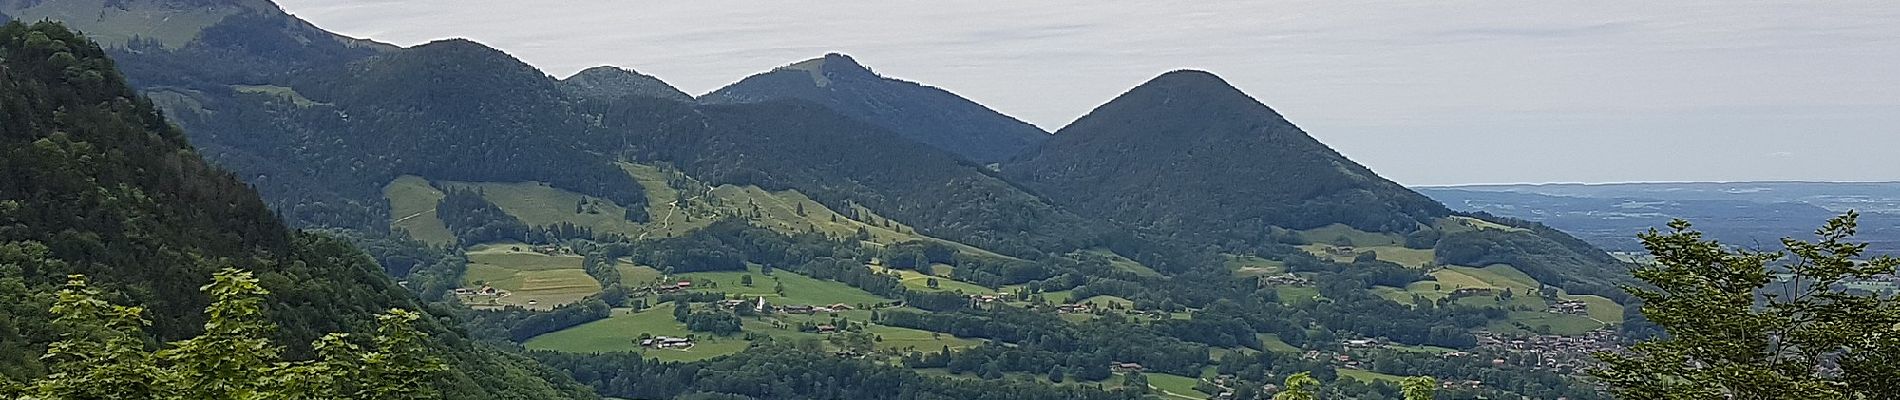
(281, 92)
(1119, 262)
(1295, 295)
(635, 275)
(1599, 307)
(774, 210)
(1245, 266)
(1175, 386)
(1535, 321)
(1273, 343)
(914, 280)
(1104, 300)
(799, 289)
(545, 280)
(412, 208)
(1368, 376)
(1467, 224)
(617, 334)
(537, 204)
(1410, 257)
(1061, 297)
(1331, 233)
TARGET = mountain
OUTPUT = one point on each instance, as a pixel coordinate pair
(605, 82)
(925, 114)
(1186, 153)
(840, 161)
(97, 182)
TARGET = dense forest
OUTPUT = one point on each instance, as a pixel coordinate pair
(98, 183)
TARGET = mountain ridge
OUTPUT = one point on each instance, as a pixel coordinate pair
(922, 113)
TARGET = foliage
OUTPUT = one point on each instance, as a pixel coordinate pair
(1299, 386)
(1734, 330)
(100, 356)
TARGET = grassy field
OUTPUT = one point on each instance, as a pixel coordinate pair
(1245, 266)
(1291, 295)
(1175, 386)
(617, 334)
(1332, 233)
(1273, 343)
(1467, 224)
(636, 275)
(1119, 262)
(1368, 376)
(1105, 300)
(542, 279)
(1561, 324)
(799, 289)
(536, 203)
(1448, 279)
(1415, 258)
(1600, 308)
(412, 208)
(914, 280)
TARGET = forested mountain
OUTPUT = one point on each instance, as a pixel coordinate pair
(1187, 154)
(607, 82)
(792, 144)
(94, 181)
(922, 113)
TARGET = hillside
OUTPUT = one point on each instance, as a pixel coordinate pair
(922, 113)
(599, 83)
(98, 183)
(1187, 154)
(839, 161)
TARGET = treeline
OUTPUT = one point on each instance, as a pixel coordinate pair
(1108, 337)
(473, 219)
(793, 371)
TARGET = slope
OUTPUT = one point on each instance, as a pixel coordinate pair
(96, 182)
(841, 162)
(1189, 156)
(606, 82)
(1187, 153)
(922, 113)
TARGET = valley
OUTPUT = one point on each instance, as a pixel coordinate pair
(815, 231)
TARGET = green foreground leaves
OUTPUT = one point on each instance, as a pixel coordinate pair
(102, 354)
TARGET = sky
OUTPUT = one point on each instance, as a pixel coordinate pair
(1424, 93)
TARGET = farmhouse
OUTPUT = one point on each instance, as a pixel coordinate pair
(1125, 367)
(665, 342)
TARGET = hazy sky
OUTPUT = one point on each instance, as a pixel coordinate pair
(1425, 93)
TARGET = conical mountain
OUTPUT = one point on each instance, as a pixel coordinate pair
(606, 82)
(1188, 154)
(921, 113)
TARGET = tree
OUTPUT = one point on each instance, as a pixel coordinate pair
(100, 354)
(1730, 334)
(1055, 374)
(779, 288)
(745, 280)
(1300, 386)
(1419, 388)
(931, 282)
(1135, 382)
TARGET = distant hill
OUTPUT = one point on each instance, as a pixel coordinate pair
(1188, 156)
(1186, 153)
(98, 183)
(840, 161)
(1754, 214)
(606, 82)
(922, 113)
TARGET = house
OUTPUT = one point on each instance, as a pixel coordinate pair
(1362, 343)
(796, 309)
(464, 292)
(1125, 367)
(827, 328)
(665, 342)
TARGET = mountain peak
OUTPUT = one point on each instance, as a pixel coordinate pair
(608, 82)
(920, 113)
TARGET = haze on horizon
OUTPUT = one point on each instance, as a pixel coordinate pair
(1471, 91)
